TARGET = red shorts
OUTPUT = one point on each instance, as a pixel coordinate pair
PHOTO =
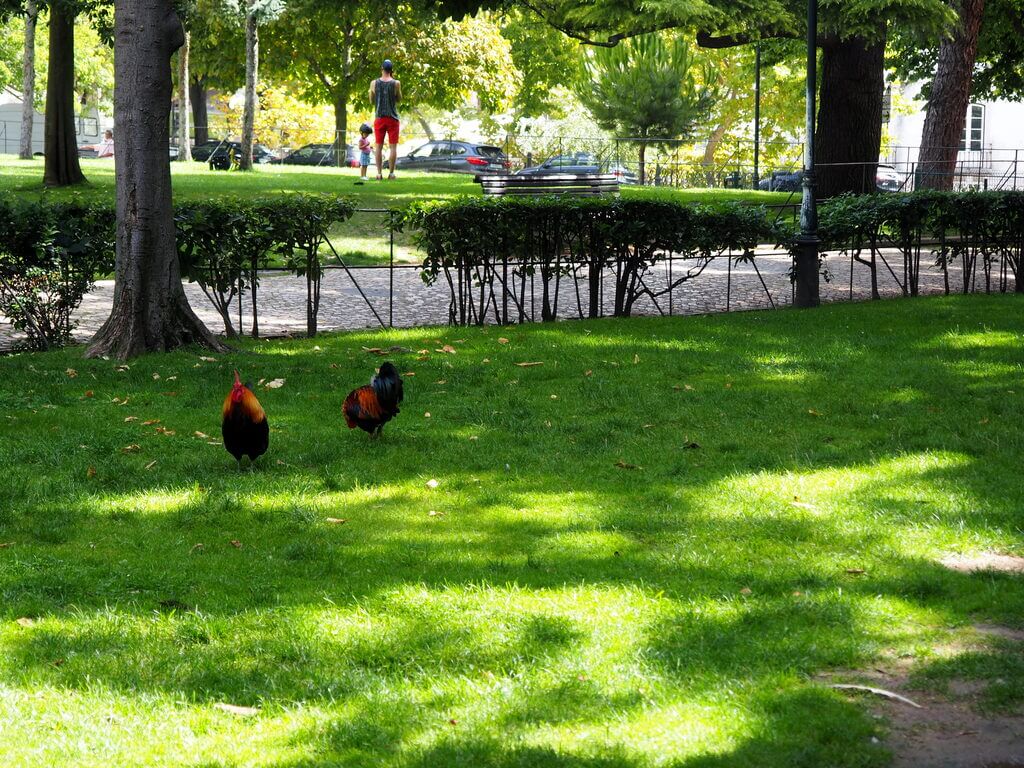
(385, 126)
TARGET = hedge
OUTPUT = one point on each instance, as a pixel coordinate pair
(488, 248)
(52, 253)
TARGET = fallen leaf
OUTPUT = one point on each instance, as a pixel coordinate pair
(502, 340)
(133, 448)
(486, 360)
(432, 483)
(196, 548)
(214, 442)
(172, 378)
(208, 359)
(528, 365)
(234, 709)
(687, 387)
(130, 418)
(746, 591)
(691, 446)
(554, 397)
(150, 422)
(72, 373)
(373, 350)
(588, 373)
(236, 544)
(625, 465)
(89, 393)
(855, 571)
(983, 421)
(151, 464)
(473, 437)
(408, 373)
(90, 472)
(201, 435)
(336, 520)
(275, 384)
(441, 381)
(156, 377)
(797, 594)
(6, 544)
(447, 349)
(453, 721)
(636, 359)
(728, 385)
(813, 412)
(123, 368)
(423, 352)
(165, 431)
(433, 513)
(25, 621)
(426, 415)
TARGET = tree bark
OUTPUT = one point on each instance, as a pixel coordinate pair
(184, 147)
(714, 142)
(947, 104)
(643, 166)
(61, 167)
(151, 311)
(340, 127)
(252, 52)
(849, 134)
(200, 121)
(28, 81)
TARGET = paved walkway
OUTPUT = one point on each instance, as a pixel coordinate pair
(720, 287)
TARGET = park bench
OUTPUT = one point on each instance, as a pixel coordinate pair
(577, 185)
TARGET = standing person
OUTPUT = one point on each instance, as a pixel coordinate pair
(385, 93)
(364, 150)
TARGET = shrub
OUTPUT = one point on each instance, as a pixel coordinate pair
(50, 256)
(488, 248)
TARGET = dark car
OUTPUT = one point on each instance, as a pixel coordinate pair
(579, 163)
(324, 155)
(223, 154)
(455, 157)
(887, 179)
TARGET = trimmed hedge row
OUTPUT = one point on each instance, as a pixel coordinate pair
(52, 253)
(489, 248)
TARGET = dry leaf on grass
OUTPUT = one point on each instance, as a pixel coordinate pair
(855, 571)
(25, 621)
(71, 373)
(201, 435)
(150, 422)
(636, 359)
(434, 513)
(130, 418)
(625, 465)
(502, 340)
(156, 377)
(236, 544)
(554, 397)
(234, 709)
(208, 359)
(90, 472)
(336, 520)
(447, 349)
(813, 412)
(588, 373)
(432, 483)
(90, 393)
(123, 368)
(746, 591)
(373, 350)
(151, 464)
(133, 448)
(275, 384)
(196, 548)
(165, 431)
(529, 365)
(426, 415)
(6, 544)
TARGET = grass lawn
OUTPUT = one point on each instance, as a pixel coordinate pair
(364, 239)
(636, 554)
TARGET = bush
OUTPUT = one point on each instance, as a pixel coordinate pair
(488, 248)
(974, 228)
(50, 256)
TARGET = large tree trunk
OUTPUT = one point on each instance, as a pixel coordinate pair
(28, 81)
(340, 127)
(849, 134)
(150, 312)
(61, 167)
(711, 148)
(197, 96)
(184, 148)
(947, 105)
(252, 51)
(643, 165)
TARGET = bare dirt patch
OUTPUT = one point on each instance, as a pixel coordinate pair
(985, 561)
(947, 731)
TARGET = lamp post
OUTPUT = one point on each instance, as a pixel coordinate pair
(757, 113)
(807, 243)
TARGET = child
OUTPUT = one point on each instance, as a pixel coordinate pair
(364, 149)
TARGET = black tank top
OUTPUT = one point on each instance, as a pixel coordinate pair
(385, 92)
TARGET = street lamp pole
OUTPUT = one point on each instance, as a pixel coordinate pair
(806, 245)
(757, 113)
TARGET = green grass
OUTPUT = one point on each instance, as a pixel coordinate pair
(363, 239)
(541, 606)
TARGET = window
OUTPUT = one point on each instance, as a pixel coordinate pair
(974, 129)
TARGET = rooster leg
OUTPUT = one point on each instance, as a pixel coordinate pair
(238, 461)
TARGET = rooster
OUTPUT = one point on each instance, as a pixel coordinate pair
(373, 406)
(245, 428)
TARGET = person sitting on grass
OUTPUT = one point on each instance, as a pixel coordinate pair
(364, 150)
(385, 93)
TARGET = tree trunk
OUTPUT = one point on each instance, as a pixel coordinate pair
(340, 127)
(150, 312)
(643, 168)
(184, 147)
(849, 134)
(714, 142)
(424, 123)
(252, 53)
(950, 96)
(28, 81)
(61, 167)
(197, 98)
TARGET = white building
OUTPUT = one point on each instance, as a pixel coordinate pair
(89, 126)
(992, 142)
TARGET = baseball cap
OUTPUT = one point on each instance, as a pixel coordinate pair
(387, 65)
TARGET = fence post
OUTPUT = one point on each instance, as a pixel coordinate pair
(391, 268)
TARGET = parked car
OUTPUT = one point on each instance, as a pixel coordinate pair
(580, 163)
(455, 157)
(220, 152)
(320, 155)
(887, 179)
